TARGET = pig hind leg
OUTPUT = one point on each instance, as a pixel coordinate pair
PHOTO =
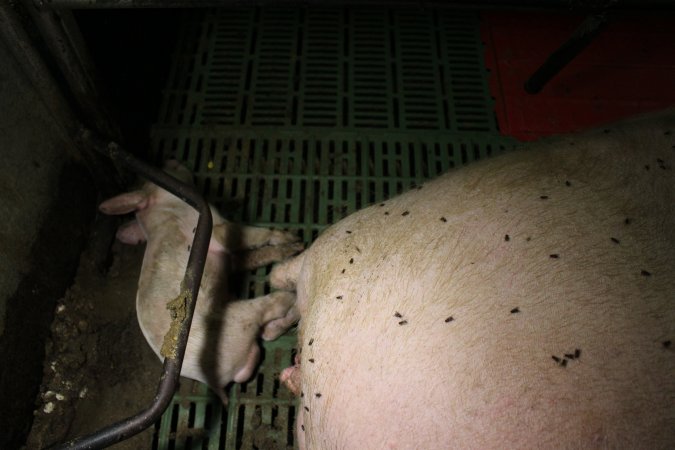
(276, 313)
(236, 237)
(285, 275)
(243, 373)
(279, 314)
(276, 327)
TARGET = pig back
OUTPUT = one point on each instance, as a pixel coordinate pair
(164, 263)
(525, 301)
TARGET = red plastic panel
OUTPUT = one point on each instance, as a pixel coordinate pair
(629, 68)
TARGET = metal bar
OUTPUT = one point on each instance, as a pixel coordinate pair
(579, 40)
(66, 45)
(464, 4)
(120, 4)
(130, 426)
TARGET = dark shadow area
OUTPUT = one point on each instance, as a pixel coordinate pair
(54, 260)
(131, 50)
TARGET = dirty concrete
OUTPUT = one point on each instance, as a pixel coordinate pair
(98, 367)
(53, 263)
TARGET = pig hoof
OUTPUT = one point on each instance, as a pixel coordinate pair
(276, 327)
(223, 396)
(282, 237)
(288, 250)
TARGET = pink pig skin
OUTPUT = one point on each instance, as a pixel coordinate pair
(523, 302)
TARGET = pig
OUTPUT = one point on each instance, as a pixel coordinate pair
(222, 344)
(524, 301)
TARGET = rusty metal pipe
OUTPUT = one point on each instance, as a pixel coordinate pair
(130, 426)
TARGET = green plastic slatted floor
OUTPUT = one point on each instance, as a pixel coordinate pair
(295, 117)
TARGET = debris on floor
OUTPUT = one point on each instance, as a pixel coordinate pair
(98, 368)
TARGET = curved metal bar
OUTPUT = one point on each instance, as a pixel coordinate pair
(579, 40)
(130, 426)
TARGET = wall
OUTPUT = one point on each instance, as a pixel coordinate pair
(46, 203)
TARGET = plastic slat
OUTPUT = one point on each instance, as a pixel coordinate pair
(352, 68)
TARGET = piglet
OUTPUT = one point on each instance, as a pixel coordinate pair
(222, 345)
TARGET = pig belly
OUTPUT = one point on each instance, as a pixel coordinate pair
(482, 385)
(525, 302)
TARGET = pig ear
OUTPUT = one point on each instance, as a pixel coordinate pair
(124, 203)
(131, 233)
